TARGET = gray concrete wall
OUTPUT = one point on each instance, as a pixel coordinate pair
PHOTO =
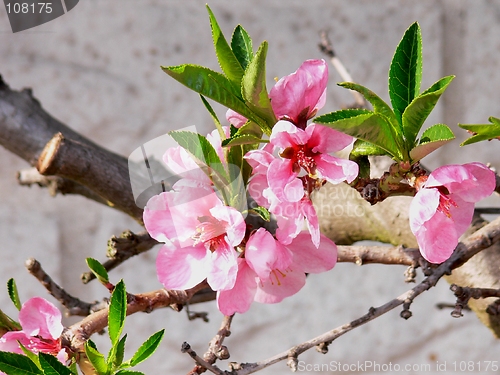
(97, 70)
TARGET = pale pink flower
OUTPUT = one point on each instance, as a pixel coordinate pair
(443, 207)
(298, 96)
(235, 119)
(41, 330)
(271, 271)
(200, 234)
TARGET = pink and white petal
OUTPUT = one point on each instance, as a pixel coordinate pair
(215, 140)
(283, 181)
(184, 268)
(240, 297)
(281, 284)
(285, 134)
(9, 341)
(461, 214)
(437, 238)
(63, 357)
(479, 185)
(235, 119)
(336, 170)
(311, 259)
(303, 89)
(182, 164)
(39, 317)
(223, 267)
(235, 223)
(259, 160)
(312, 222)
(158, 220)
(264, 254)
(325, 140)
(290, 221)
(256, 187)
(422, 207)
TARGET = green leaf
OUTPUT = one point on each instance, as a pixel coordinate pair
(243, 139)
(98, 270)
(241, 43)
(432, 138)
(204, 155)
(120, 351)
(17, 364)
(147, 348)
(8, 323)
(96, 359)
(363, 148)
(405, 73)
(482, 132)
(228, 62)
(13, 294)
(28, 353)
(262, 212)
(211, 84)
(418, 110)
(117, 312)
(52, 366)
(129, 372)
(254, 91)
(212, 113)
(366, 125)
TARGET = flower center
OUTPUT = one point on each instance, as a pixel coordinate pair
(209, 231)
(445, 201)
(302, 157)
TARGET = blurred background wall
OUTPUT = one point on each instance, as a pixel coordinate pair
(97, 69)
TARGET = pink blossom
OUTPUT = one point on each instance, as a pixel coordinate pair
(271, 271)
(200, 234)
(443, 207)
(298, 96)
(235, 119)
(41, 330)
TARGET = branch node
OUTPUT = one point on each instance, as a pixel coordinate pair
(293, 361)
(406, 313)
(323, 347)
(410, 274)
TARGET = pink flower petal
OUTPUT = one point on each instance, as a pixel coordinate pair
(264, 254)
(422, 207)
(184, 268)
(256, 187)
(9, 342)
(240, 297)
(312, 222)
(302, 91)
(283, 181)
(336, 170)
(310, 258)
(281, 284)
(182, 164)
(259, 160)
(158, 220)
(285, 134)
(222, 274)
(39, 317)
(325, 140)
(234, 223)
(235, 119)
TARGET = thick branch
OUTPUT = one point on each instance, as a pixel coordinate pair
(25, 130)
(92, 167)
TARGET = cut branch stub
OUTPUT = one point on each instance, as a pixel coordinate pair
(91, 167)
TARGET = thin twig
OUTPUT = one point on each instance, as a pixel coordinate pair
(73, 305)
(464, 294)
(121, 248)
(476, 242)
(326, 47)
(186, 348)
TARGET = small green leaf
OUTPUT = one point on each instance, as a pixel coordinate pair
(13, 294)
(117, 312)
(217, 123)
(405, 73)
(432, 138)
(52, 366)
(211, 84)
(129, 372)
(418, 110)
(120, 351)
(366, 125)
(482, 132)
(28, 353)
(244, 139)
(363, 148)
(17, 364)
(147, 348)
(8, 323)
(96, 358)
(98, 270)
(241, 43)
(228, 62)
(204, 155)
(254, 91)
(262, 212)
